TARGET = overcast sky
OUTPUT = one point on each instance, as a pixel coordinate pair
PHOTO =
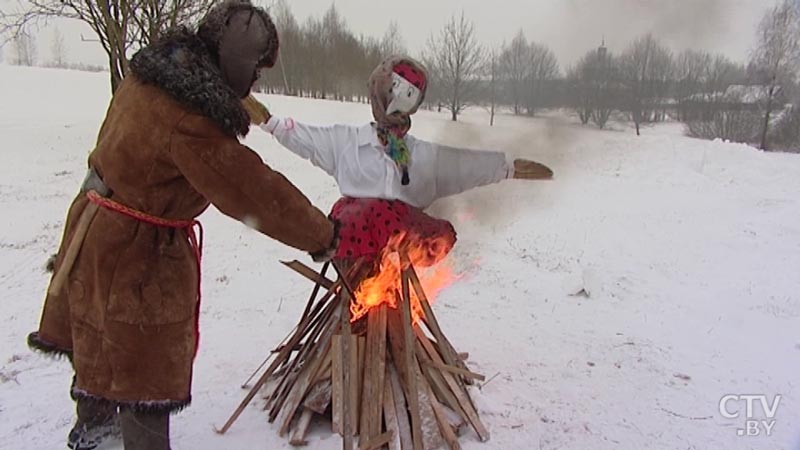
(569, 27)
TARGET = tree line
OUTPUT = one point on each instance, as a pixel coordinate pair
(645, 82)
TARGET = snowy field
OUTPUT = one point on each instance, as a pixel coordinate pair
(689, 252)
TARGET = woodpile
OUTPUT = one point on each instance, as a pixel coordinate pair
(387, 380)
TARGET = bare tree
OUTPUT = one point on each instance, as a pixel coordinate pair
(392, 41)
(543, 68)
(119, 25)
(646, 71)
(514, 65)
(593, 85)
(291, 45)
(25, 49)
(579, 83)
(690, 67)
(323, 58)
(720, 73)
(455, 59)
(493, 74)
(777, 55)
(58, 51)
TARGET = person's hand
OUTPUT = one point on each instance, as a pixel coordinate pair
(531, 170)
(329, 253)
(256, 110)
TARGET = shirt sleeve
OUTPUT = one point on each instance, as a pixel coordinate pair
(322, 145)
(458, 170)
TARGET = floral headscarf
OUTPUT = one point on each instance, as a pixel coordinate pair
(392, 128)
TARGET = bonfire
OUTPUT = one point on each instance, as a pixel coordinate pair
(369, 355)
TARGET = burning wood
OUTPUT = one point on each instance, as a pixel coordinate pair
(375, 361)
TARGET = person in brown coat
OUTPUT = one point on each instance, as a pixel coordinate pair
(124, 308)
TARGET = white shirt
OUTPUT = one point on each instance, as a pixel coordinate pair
(356, 159)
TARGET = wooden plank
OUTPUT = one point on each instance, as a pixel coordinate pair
(282, 356)
(454, 419)
(431, 434)
(445, 429)
(336, 378)
(374, 371)
(309, 273)
(319, 397)
(301, 430)
(410, 363)
(361, 345)
(306, 355)
(389, 412)
(306, 312)
(461, 396)
(303, 383)
(376, 442)
(348, 405)
(435, 378)
(394, 328)
(456, 370)
(324, 372)
(449, 354)
(355, 387)
(401, 409)
(319, 318)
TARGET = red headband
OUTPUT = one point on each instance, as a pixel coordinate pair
(411, 74)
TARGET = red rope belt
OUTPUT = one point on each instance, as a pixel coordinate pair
(193, 229)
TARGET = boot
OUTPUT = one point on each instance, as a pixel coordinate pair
(143, 431)
(96, 423)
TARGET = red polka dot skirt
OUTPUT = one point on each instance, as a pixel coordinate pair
(367, 224)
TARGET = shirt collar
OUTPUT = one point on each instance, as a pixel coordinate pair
(368, 136)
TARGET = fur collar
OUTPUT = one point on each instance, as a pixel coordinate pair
(182, 65)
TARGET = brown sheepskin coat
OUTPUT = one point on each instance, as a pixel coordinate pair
(168, 147)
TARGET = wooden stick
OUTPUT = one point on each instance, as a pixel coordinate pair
(401, 409)
(390, 414)
(324, 372)
(455, 370)
(394, 328)
(346, 355)
(461, 396)
(309, 273)
(355, 380)
(319, 397)
(324, 322)
(436, 379)
(455, 419)
(317, 318)
(411, 384)
(361, 343)
(317, 286)
(376, 442)
(301, 430)
(444, 425)
(303, 382)
(449, 354)
(336, 376)
(431, 434)
(282, 356)
(374, 371)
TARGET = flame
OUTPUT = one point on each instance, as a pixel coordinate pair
(385, 287)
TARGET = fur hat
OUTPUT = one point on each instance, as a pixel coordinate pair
(243, 39)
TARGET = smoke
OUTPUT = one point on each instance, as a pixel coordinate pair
(681, 24)
(546, 140)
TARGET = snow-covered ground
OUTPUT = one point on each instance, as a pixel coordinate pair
(689, 252)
